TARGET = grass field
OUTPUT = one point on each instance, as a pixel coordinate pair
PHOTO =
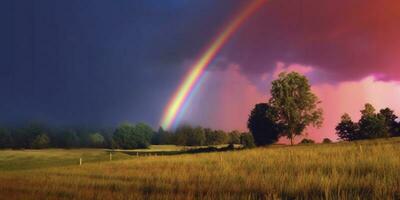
(362, 170)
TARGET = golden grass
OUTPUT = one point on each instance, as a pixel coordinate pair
(331, 171)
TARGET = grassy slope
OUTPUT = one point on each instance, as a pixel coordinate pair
(33, 159)
(334, 171)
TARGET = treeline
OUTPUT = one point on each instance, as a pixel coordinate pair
(39, 135)
(187, 135)
(125, 136)
(371, 125)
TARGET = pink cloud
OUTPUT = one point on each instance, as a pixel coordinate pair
(225, 100)
(282, 67)
(350, 97)
(227, 97)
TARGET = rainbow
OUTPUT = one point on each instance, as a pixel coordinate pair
(192, 81)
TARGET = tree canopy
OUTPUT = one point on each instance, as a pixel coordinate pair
(347, 129)
(262, 123)
(128, 136)
(295, 104)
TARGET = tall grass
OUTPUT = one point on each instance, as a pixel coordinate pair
(329, 171)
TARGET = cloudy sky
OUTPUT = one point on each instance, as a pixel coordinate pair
(101, 62)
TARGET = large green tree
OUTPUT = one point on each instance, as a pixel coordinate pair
(296, 105)
(262, 124)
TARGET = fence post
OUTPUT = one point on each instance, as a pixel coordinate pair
(80, 161)
(110, 156)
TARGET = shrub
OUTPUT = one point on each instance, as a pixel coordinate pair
(307, 141)
(326, 141)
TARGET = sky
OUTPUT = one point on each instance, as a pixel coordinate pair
(100, 62)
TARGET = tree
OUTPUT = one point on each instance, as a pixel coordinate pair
(167, 138)
(96, 140)
(128, 136)
(182, 133)
(41, 141)
(347, 130)
(234, 137)
(295, 104)
(262, 124)
(215, 137)
(197, 137)
(156, 139)
(145, 130)
(24, 136)
(188, 136)
(326, 141)
(247, 140)
(390, 120)
(372, 125)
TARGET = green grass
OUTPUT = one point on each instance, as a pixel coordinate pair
(362, 170)
(33, 159)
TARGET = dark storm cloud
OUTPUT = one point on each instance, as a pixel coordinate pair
(346, 39)
(99, 62)
(103, 61)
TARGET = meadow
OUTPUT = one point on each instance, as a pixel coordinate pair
(346, 170)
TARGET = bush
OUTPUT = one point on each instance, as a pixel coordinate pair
(307, 141)
(326, 141)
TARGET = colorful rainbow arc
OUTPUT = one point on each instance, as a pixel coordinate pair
(186, 89)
